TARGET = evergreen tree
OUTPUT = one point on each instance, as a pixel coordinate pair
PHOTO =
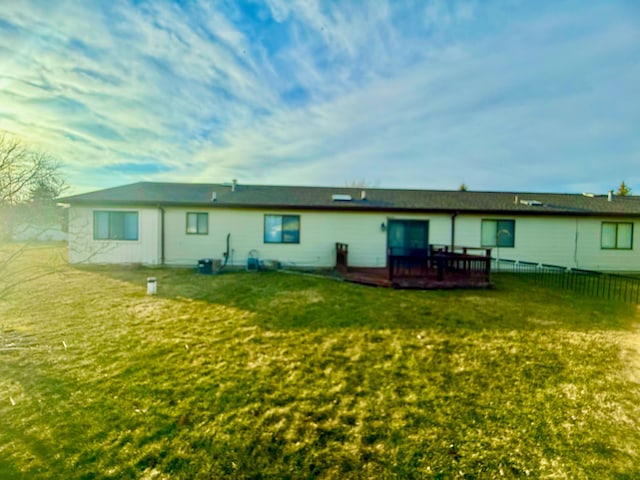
(623, 190)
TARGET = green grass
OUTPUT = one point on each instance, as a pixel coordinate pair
(277, 375)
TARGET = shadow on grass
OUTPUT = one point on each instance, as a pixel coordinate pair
(284, 300)
(254, 375)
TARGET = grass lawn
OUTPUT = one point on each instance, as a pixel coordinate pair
(277, 375)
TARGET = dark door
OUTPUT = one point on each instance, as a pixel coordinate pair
(408, 237)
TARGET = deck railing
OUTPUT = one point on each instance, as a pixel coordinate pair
(622, 288)
(435, 267)
(442, 263)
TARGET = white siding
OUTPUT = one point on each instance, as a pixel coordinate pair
(565, 241)
(592, 256)
(84, 249)
(537, 239)
(319, 232)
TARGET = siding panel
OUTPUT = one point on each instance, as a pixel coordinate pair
(567, 241)
(84, 249)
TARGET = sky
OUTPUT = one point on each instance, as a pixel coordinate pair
(537, 96)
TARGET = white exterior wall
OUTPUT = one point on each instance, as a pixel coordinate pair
(319, 232)
(84, 249)
(565, 241)
(591, 256)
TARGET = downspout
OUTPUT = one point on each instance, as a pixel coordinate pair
(453, 230)
(575, 247)
(161, 234)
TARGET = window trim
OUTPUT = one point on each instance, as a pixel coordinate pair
(282, 231)
(197, 232)
(494, 244)
(617, 238)
(110, 234)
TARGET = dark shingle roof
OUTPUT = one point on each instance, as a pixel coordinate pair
(377, 199)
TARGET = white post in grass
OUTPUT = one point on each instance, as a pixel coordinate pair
(152, 286)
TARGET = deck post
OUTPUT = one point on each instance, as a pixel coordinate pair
(440, 267)
(342, 257)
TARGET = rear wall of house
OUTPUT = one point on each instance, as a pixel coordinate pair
(319, 232)
(565, 241)
(84, 248)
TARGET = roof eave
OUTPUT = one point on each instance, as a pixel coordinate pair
(346, 208)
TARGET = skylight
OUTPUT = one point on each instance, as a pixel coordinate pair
(339, 197)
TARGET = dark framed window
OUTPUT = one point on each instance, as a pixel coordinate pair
(616, 236)
(498, 233)
(112, 225)
(282, 229)
(197, 223)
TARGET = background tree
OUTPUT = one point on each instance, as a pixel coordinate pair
(24, 171)
(623, 190)
(462, 187)
(360, 184)
(30, 181)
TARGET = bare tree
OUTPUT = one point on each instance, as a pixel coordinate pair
(30, 180)
(362, 183)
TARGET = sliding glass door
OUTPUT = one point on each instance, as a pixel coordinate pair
(408, 237)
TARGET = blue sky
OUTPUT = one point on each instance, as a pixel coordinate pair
(505, 95)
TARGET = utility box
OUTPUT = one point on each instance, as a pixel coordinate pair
(253, 264)
(205, 266)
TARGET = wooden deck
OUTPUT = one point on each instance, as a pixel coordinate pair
(440, 268)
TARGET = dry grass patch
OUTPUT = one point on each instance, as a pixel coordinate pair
(272, 375)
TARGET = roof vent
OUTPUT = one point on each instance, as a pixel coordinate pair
(234, 184)
(214, 197)
(339, 197)
(531, 203)
(363, 195)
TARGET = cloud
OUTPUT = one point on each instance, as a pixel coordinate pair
(311, 92)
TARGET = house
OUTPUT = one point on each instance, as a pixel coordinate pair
(179, 223)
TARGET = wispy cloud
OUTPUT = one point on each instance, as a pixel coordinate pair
(431, 94)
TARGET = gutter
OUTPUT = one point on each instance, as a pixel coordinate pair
(525, 212)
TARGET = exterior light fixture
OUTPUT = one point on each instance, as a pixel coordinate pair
(383, 227)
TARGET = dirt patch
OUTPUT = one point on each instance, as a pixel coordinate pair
(299, 297)
(543, 322)
(11, 339)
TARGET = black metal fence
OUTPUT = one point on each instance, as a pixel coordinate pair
(622, 288)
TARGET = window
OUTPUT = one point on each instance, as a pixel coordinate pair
(115, 225)
(616, 236)
(282, 229)
(498, 233)
(197, 223)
